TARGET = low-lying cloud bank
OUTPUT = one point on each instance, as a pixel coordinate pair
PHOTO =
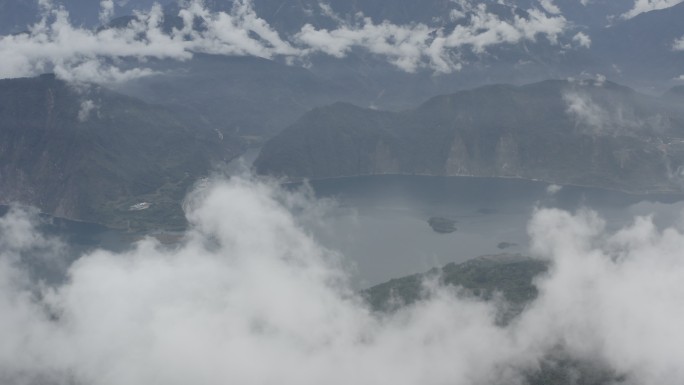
(610, 117)
(249, 297)
(76, 53)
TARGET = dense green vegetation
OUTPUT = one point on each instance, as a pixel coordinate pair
(482, 277)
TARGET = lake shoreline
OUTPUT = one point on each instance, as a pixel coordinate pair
(664, 193)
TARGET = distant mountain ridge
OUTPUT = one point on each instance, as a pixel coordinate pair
(90, 154)
(257, 97)
(245, 96)
(592, 133)
(636, 51)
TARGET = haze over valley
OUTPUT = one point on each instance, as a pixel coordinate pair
(341, 192)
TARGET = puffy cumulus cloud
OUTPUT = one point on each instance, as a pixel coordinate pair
(26, 253)
(612, 296)
(76, 53)
(249, 297)
(18, 236)
(582, 39)
(678, 44)
(415, 46)
(550, 7)
(641, 6)
(106, 10)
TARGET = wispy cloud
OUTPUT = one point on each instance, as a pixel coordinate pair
(87, 107)
(416, 46)
(54, 44)
(76, 53)
(642, 6)
(609, 115)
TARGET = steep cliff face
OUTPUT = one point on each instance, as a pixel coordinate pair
(588, 133)
(87, 153)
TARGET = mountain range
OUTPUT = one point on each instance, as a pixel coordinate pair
(87, 153)
(354, 114)
(593, 133)
(615, 48)
(257, 97)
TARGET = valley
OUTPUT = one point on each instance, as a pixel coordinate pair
(472, 192)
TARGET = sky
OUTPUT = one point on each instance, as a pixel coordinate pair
(77, 53)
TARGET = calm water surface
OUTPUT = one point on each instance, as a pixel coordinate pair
(381, 223)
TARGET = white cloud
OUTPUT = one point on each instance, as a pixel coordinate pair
(416, 46)
(587, 113)
(87, 106)
(553, 189)
(641, 6)
(678, 44)
(76, 53)
(250, 298)
(106, 10)
(487, 29)
(54, 44)
(241, 32)
(608, 116)
(406, 47)
(18, 233)
(582, 39)
(550, 7)
(610, 293)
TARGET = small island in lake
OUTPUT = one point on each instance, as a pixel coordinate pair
(506, 245)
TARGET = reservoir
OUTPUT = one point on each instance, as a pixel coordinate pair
(379, 224)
